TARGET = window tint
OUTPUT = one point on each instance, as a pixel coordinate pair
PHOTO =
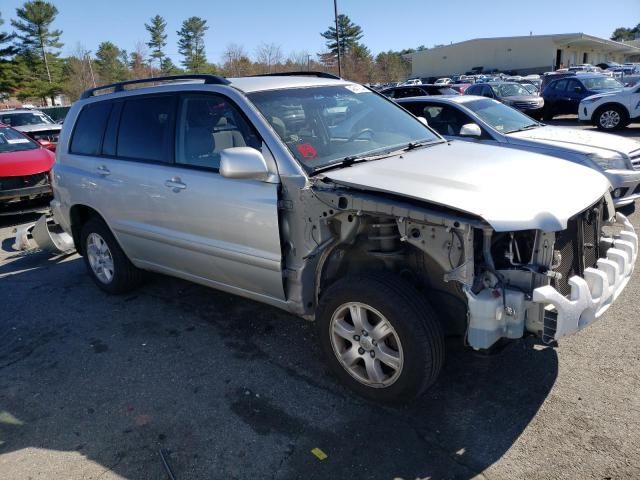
(572, 84)
(560, 85)
(207, 124)
(146, 129)
(111, 133)
(445, 120)
(487, 91)
(89, 129)
(416, 108)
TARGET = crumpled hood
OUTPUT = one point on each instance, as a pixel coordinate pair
(577, 139)
(510, 189)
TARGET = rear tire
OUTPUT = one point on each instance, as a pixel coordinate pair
(393, 351)
(547, 114)
(610, 118)
(106, 263)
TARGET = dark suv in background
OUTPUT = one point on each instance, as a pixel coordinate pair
(562, 96)
(510, 93)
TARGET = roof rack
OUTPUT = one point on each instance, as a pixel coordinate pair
(299, 74)
(119, 87)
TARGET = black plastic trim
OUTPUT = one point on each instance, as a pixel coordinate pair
(119, 87)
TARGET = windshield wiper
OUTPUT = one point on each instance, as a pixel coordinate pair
(348, 161)
(351, 159)
(413, 145)
(526, 127)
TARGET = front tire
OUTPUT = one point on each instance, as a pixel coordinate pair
(380, 337)
(610, 118)
(106, 263)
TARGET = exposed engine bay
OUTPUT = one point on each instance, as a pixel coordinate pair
(481, 282)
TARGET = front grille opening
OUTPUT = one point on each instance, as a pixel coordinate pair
(578, 246)
(24, 181)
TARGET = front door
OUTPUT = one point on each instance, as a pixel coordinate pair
(575, 94)
(223, 230)
(170, 208)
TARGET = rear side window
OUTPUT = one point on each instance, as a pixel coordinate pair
(146, 129)
(89, 129)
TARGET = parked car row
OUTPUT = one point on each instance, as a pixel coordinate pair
(321, 197)
(34, 123)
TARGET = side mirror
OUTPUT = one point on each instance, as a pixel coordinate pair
(244, 163)
(577, 89)
(471, 130)
(423, 120)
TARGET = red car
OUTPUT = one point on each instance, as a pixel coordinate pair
(25, 167)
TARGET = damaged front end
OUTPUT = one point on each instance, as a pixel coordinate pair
(44, 234)
(485, 285)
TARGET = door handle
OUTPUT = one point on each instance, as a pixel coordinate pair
(103, 171)
(175, 184)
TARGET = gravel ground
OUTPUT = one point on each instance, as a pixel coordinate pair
(92, 386)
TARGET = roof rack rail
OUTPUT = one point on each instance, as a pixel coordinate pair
(119, 87)
(299, 74)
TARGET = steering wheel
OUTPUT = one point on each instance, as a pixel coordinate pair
(359, 133)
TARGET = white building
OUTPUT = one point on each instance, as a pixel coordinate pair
(528, 54)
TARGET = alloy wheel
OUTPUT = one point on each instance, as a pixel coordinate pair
(609, 119)
(100, 258)
(366, 344)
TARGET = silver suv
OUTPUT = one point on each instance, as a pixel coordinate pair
(321, 197)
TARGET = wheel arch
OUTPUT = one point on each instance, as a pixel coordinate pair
(602, 107)
(79, 215)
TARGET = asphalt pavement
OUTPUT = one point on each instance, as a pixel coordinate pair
(93, 386)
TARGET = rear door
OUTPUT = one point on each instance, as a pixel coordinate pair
(555, 97)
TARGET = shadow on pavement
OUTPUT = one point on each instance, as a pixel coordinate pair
(232, 388)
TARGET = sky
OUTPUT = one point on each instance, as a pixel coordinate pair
(295, 25)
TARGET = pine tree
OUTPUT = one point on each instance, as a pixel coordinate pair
(6, 51)
(157, 30)
(350, 35)
(35, 35)
(109, 66)
(168, 67)
(191, 43)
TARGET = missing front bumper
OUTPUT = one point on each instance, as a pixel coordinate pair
(592, 295)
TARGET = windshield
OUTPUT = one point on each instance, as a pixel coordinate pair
(501, 117)
(601, 83)
(12, 141)
(510, 90)
(325, 125)
(20, 119)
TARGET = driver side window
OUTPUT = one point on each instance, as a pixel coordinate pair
(445, 120)
(208, 124)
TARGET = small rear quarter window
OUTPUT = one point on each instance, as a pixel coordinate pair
(89, 129)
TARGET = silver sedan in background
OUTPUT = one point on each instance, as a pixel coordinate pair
(480, 119)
